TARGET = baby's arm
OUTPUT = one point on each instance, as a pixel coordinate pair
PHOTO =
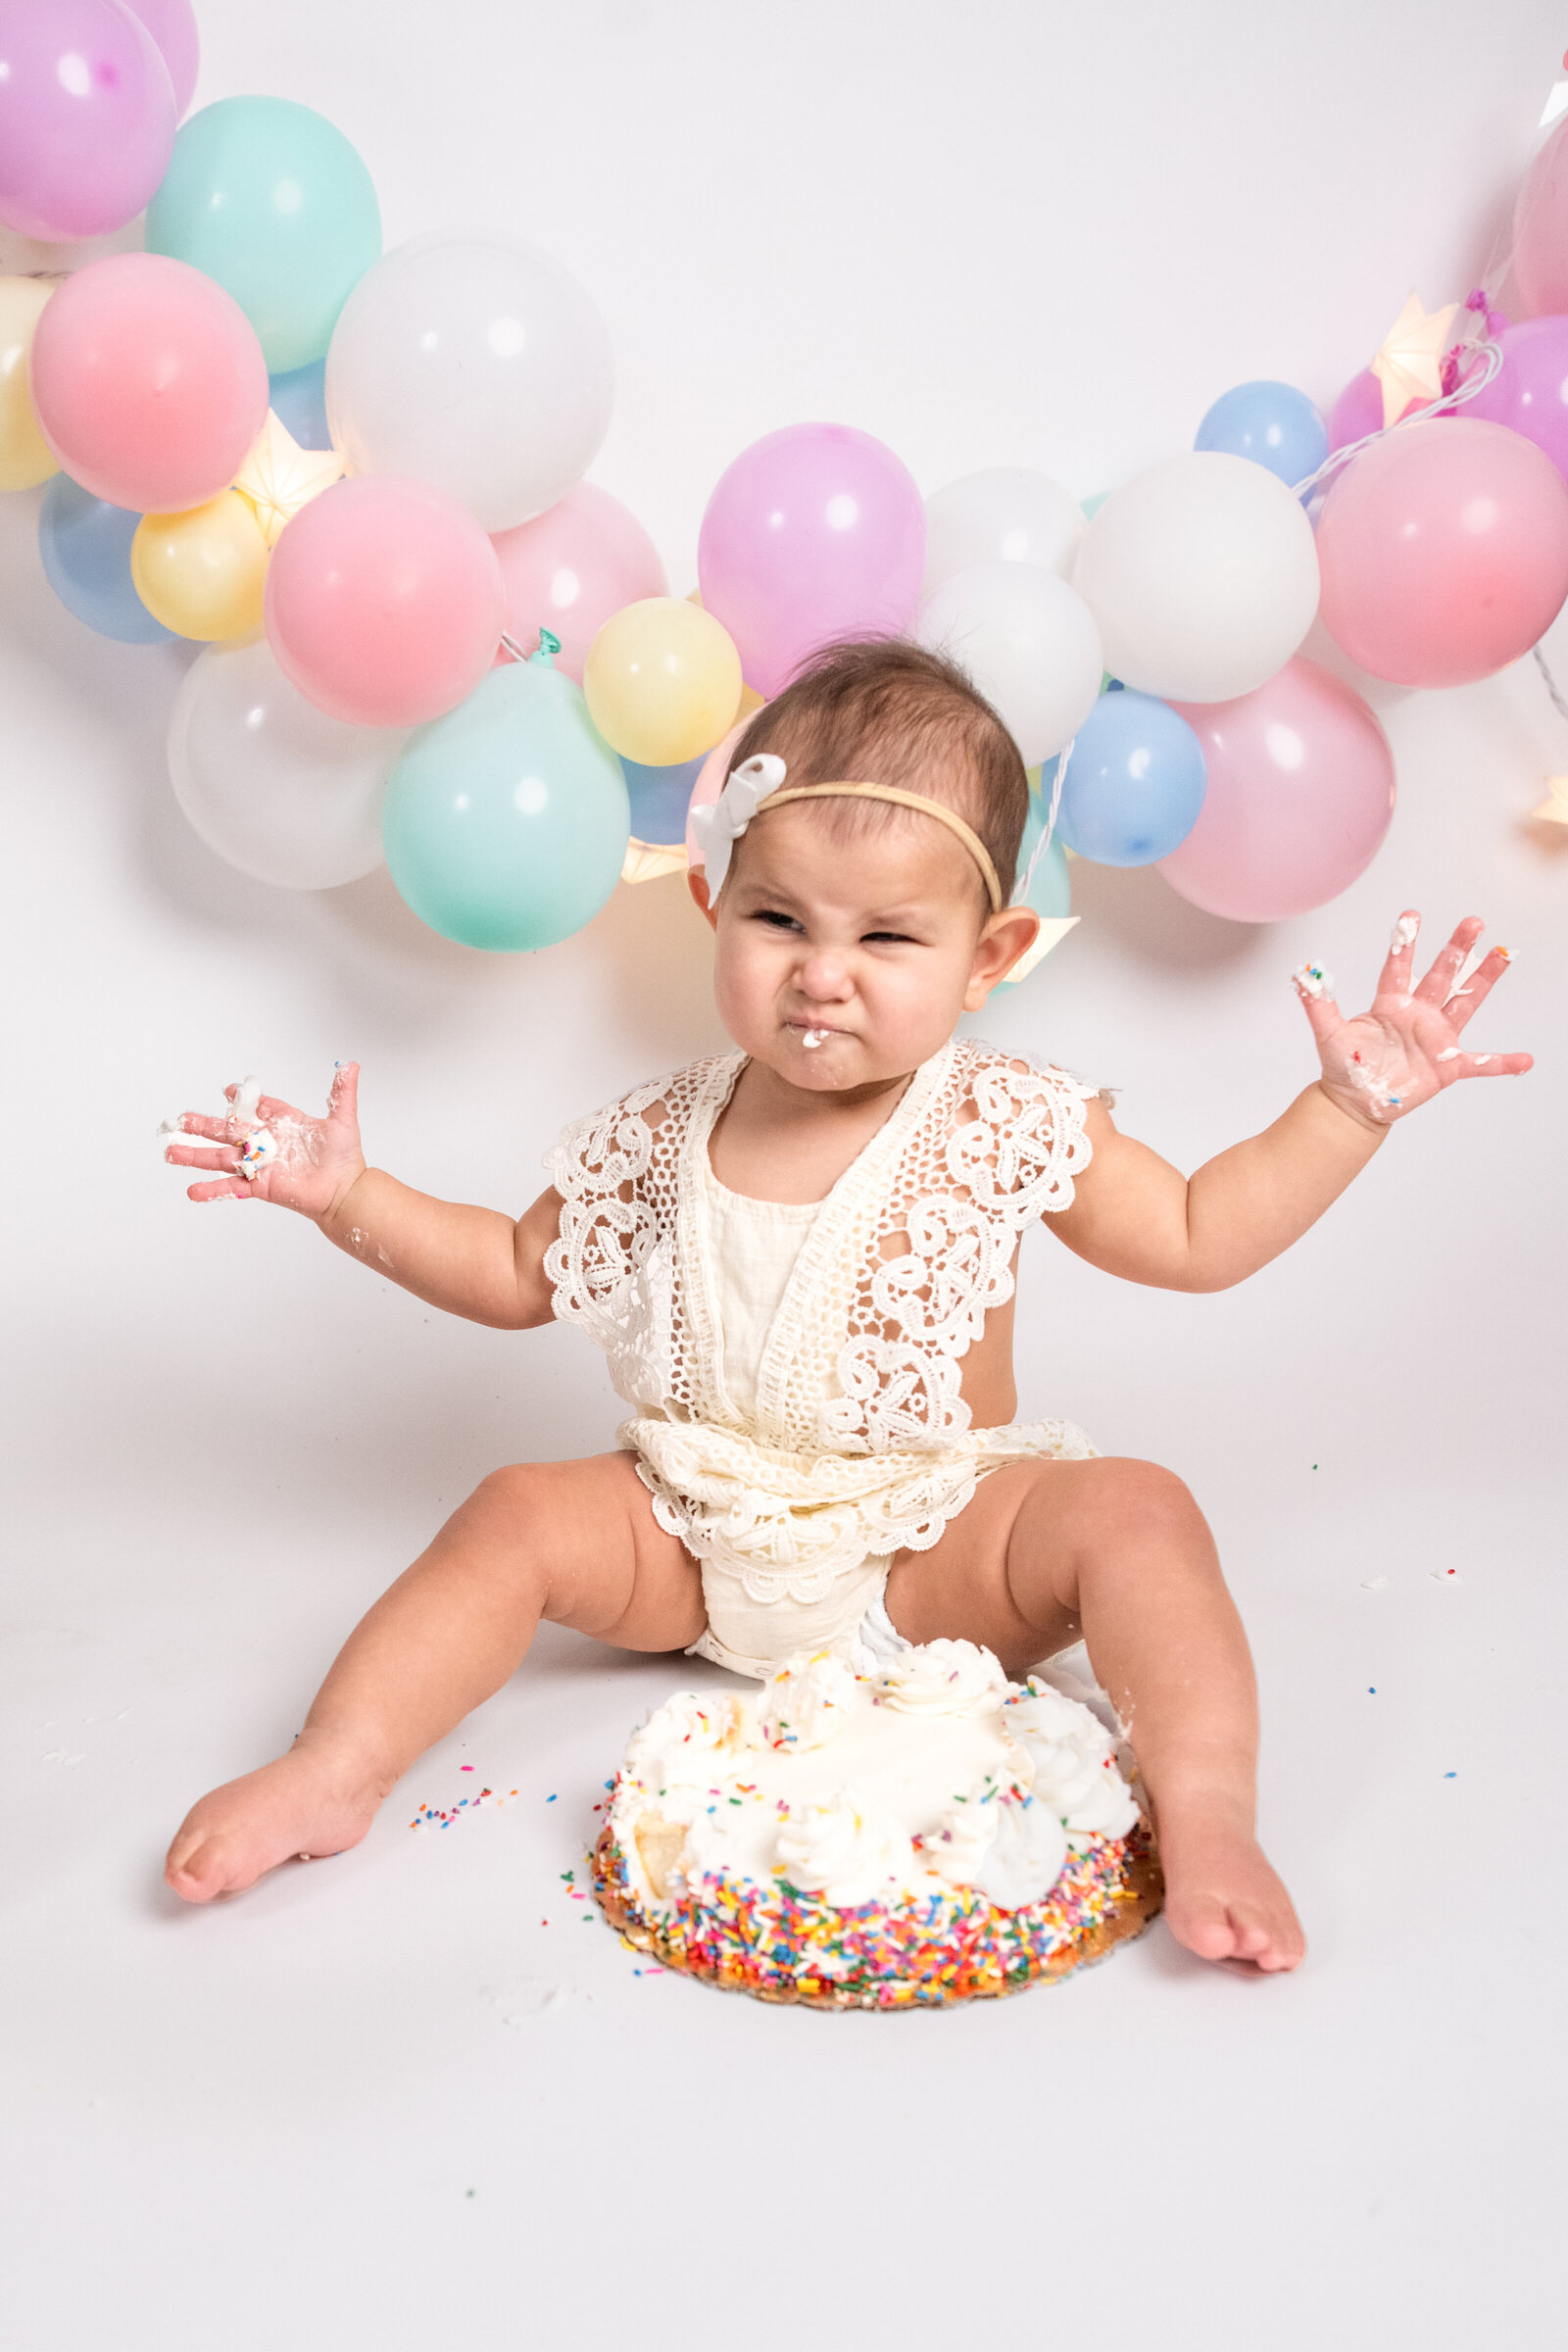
(1135, 1215)
(471, 1261)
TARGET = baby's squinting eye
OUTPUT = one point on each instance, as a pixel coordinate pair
(771, 914)
(898, 939)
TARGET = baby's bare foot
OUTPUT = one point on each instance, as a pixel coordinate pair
(1223, 1899)
(315, 1801)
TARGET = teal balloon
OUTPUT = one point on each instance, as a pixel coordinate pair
(269, 199)
(506, 823)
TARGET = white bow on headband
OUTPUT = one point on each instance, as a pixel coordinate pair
(719, 826)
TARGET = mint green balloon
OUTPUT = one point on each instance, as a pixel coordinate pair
(506, 823)
(269, 198)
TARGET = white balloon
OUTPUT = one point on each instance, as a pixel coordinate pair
(1006, 515)
(1028, 641)
(472, 360)
(269, 782)
(1202, 576)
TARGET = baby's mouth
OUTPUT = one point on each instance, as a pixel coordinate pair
(812, 1034)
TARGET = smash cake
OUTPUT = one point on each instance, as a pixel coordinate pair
(924, 1835)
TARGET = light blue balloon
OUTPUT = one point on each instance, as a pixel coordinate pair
(659, 800)
(85, 546)
(1090, 506)
(1135, 782)
(299, 402)
(269, 198)
(506, 823)
(1273, 424)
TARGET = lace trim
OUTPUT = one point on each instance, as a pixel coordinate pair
(788, 1524)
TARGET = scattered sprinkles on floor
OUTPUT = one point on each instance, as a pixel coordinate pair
(433, 1817)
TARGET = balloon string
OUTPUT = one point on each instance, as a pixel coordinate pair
(1020, 897)
(1557, 702)
(1492, 357)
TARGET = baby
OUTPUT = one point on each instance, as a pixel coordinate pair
(800, 1259)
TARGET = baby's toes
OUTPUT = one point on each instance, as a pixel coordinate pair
(1204, 1923)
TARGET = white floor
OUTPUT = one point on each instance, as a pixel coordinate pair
(418, 2096)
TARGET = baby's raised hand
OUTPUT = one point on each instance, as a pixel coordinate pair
(1381, 1064)
(272, 1152)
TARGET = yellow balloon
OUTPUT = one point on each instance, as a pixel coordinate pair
(26, 457)
(202, 573)
(662, 680)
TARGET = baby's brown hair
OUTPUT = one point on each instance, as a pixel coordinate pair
(878, 710)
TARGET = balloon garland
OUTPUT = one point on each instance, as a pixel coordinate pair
(357, 478)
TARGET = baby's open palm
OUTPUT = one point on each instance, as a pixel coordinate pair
(316, 1162)
(1381, 1064)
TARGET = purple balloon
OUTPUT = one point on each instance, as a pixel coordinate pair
(1530, 392)
(813, 533)
(173, 25)
(86, 117)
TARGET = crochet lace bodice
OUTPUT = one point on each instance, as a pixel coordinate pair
(913, 1247)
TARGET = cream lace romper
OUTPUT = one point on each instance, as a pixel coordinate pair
(795, 1372)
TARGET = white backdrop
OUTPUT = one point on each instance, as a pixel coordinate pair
(1029, 234)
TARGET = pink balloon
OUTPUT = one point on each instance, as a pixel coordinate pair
(86, 117)
(572, 567)
(1300, 792)
(383, 602)
(173, 25)
(1444, 552)
(1538, 270)
(1530, 393)
(148, 381)
(712, 778)
(813, 533)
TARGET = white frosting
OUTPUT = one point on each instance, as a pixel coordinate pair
(809, 1700)
(1027, 1855)
(1314, 981)
(1449, 1053)
(258, 1151)
(1404, 931)
(848, 1851)
(1076, 1773)
(940, 1678)
(813, 1037)
(857, 1788)
(247, 1094)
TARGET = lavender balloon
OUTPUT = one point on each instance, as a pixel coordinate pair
(173, 25)
(813, 533)
(86, 117)
(1530, 392)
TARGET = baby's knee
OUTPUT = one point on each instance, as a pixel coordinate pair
(1142, 1499)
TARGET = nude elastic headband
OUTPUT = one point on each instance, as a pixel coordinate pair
(760, 785)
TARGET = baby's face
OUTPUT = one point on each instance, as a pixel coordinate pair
(871, 943)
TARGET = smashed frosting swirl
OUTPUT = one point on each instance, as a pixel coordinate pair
(1076, 1775)
(809, 1699)
(940, 1678)
(846, 1851)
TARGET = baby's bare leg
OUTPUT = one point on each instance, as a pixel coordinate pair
(1118, 1553)
(576, 1542)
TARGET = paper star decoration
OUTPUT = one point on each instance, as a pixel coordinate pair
(279, 477)
(1410, 361)
(646, 861)
(1553, 809)
(1053, 929)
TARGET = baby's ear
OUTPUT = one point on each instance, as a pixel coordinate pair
(1005, 937)
(697, 884)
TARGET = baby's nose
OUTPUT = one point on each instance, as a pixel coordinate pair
(824, 978)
